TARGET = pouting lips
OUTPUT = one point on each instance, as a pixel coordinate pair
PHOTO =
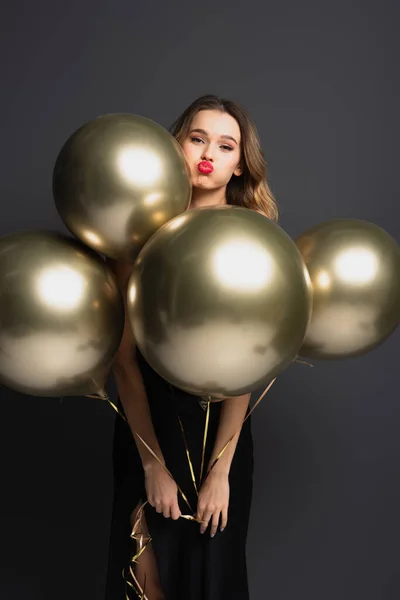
(205, 167)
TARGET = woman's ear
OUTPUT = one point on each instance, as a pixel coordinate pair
(239, 170)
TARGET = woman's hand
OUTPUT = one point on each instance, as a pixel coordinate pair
(213, 502)
(162, 491)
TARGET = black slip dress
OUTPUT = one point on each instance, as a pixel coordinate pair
(192, 566)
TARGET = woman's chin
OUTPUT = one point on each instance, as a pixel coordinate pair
(202, 183)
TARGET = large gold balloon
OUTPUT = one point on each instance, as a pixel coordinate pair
(354, 267)
(219, 301)
(61, 315)
(117, 179)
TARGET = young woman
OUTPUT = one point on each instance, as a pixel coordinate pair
(187, 560)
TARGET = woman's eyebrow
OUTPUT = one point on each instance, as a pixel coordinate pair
(204, 132)
(229, 137)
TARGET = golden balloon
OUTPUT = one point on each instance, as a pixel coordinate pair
(354, 267)
(117, 179)
(61, 315)
(219, 301)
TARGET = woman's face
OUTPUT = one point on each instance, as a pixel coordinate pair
(212, 149)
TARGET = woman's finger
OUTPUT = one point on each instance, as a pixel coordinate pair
(224, 518)
(214, 523)
(205, 518)
(175, 511)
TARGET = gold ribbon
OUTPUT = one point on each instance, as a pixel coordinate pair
(205, 440)
(188, 456)
(302, 362)
(143, 540)
(164, 467)
(102, 395)
(244, 420)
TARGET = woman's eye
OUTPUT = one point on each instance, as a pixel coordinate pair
(198, 140)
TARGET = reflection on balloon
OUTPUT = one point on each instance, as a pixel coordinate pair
(60, 288)
(139, 165)
(242, 265)
(61, 316)
(118, 179)
(354, 267)
(219, 301)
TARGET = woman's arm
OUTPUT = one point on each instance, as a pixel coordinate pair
(213, 499)
(161, 489)
(129, 380)
(233, 412)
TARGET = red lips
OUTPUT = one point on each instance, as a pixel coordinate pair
(205, 167)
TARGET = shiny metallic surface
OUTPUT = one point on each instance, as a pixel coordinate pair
(61, 315)
(219, 301)
(117, 179)
(354, 267)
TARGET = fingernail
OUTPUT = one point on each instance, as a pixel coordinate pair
(212, 535)
(222, 529)
(202, 530)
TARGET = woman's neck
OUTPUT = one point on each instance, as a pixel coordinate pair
(201, 198)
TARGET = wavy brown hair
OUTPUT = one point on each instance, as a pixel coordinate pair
(251, 188)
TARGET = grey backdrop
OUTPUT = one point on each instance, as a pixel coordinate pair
(321, 80)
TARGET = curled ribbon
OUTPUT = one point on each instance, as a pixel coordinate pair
(142, 539)
(138, 535)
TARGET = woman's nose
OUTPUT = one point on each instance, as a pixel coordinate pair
(207, 154)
